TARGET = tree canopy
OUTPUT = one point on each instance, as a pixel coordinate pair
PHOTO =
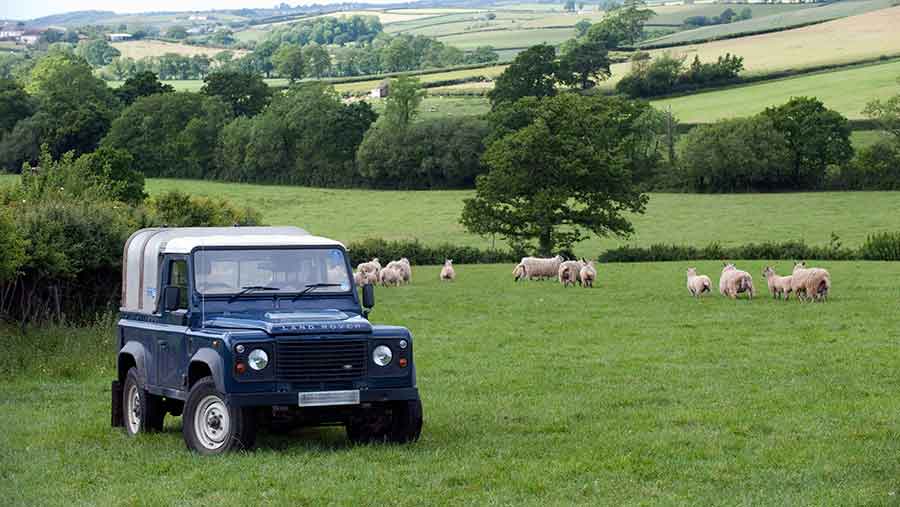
(246, 93)
(531, 74)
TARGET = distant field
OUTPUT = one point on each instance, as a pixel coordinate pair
(675, 14)
(384, 16)
(143, 48)
(796, 16)
(442, 107)
(509, 38)
(488, 72)
(865, 138)
(846, 91)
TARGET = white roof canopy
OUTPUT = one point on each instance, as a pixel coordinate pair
(143, 251)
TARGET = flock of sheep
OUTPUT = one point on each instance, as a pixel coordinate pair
(396, 273)
(809, 284)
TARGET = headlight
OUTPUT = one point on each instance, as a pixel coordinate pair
(382, 355)
(258, 359)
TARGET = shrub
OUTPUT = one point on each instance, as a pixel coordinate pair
(177, 209)
(884, 246)
(788, 250)
(417, 253)
(875, 167)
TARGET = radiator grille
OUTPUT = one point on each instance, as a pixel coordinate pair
(320, 361)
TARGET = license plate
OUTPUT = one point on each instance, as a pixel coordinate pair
(328, 398)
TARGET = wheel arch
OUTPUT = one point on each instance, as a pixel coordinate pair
(207, 362)
(132, 355)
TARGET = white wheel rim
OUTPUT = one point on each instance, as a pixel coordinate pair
(211, 422)
(133, 409)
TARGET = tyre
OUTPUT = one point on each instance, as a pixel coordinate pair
(143, 412)
(406, 421)
(398, 422)
(211, 425)
(369, 426)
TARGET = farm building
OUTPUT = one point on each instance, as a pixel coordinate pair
(380, 91)
(118, 37)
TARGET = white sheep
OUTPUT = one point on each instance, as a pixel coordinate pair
(811, 284)
(448, 274)
(391, 277)
(779, 286)
(519, 272)
(733, 281)
(373, 266)
(697, 284)
(537, 267)
(569, 272)
(588, 274)
(403, 267)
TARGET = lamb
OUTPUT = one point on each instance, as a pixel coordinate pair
(373, 266)
(448, 274)
(537, 267)
(697, 284)
(404, 267)
(391, 277)
(569, 272)
(810, 283)
(588, 275)
(734, 281)
(779, 286)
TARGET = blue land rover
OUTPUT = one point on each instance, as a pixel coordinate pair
(241, 327)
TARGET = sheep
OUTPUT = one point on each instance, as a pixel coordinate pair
(365, 278)
(373, 266)
(779, 286)
(569, 272)
(519, 272)
(588, 275)
(536, 267)
(390, 277)
(697, 284)
(403, 267)
(810, 283)
(448, 274)
(733, 281)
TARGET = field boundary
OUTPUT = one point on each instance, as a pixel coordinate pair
(738, 35)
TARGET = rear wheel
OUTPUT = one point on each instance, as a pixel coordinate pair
(211, 425)
(143, 412)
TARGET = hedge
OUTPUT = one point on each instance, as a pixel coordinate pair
(417, 253)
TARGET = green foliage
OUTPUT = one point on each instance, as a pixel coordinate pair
(887, 114)
(419, 254)
(584, 65)
(883, 246)
(15, 105)
(623, 25)
(12, 248)
(170, 134)
(436, 153)
(816, 137)
(176, 32)
(142, 84)
(568, 169)
(247, 94)
(531, 74)
(327, 30)
(787, 250)
(289, 62)
(875, 167)
(667, 74)
(317, 60)
(97, 52)
(177, 209)
(402, 104)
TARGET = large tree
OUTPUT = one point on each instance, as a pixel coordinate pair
(15, 105)
(289, 62)
(584, 65)
(402, 103)
(142, 84)
(570, 167)
(318, 61)
(531, 74)
(246, 93)
(816, 136)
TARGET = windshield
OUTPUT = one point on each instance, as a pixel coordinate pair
(276, 270)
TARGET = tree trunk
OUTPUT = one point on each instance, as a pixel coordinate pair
(545, 242)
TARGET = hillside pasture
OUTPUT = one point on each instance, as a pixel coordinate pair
(631, 393)
(675, 14)
(488, 72)
(149, 48)
(505, 39)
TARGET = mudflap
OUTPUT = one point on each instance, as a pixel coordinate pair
(118, 419)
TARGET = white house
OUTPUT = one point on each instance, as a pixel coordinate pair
(10, 33)
(380, 91)
(117, 37)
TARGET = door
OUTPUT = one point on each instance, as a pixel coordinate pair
(171, 339)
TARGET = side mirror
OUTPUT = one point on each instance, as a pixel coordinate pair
(171, 298)
(368, 296)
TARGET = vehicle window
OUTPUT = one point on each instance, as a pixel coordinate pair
(178, 278)
(289, 270)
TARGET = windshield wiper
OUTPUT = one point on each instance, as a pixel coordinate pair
(311, 287)
(251, 288)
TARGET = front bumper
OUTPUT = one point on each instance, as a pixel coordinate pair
(292, 398)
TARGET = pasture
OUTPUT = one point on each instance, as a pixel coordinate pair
(632, 393)
(143, 48)
(501, 39)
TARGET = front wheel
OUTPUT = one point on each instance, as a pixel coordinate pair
(211, 425)
(398, 422)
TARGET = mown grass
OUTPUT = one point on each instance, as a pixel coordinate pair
(631, 393)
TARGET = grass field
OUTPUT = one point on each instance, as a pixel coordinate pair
(635, 395)
(675, 14)
(143, 48)
(488, 72)
(509, 38)
(846, 91)
(768, 18)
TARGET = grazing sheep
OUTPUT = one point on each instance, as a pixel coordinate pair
(569, 272)
(404, 267)
(391, 277)
(519, 272)
(448, 274)
(536, 267)
(373, 266)
(697, 284)
(779, 286)
(810, 284)
(733, 281)
(588, 274)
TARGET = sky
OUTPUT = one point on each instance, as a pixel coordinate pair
(28, 9)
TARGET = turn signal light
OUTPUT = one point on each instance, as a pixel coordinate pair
(240, 368)
(402, 362)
